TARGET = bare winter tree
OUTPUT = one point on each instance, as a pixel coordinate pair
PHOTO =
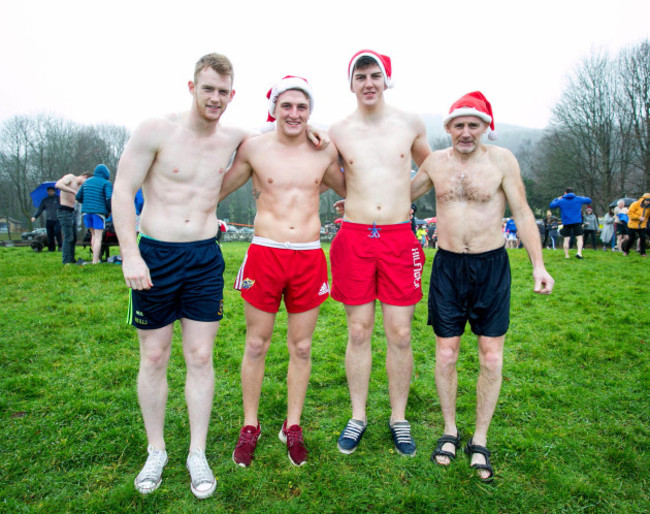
(587, 144)
(634, 103)
(15, 169)
(34, 149)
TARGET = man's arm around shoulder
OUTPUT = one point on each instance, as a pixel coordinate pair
(240, 170)
(422, 182)
(420, 149)
(334, 177)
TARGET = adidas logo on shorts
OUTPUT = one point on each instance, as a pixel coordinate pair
(324, 289)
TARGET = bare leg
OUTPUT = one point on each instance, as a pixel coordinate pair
(155, 346)
(198, 344)
(259, 329)
(92, 243)
(358, 358)
(399, 356)
(487, 390)
(300, 330)
(447, 350)
(96, 240)
(580, 244)
(567, 242)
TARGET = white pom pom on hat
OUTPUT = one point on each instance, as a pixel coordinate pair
(473, 104)
(287, 83)
(382, 60)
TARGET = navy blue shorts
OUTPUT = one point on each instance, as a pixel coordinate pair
(470, 287)
(572, 229)
(187, 283)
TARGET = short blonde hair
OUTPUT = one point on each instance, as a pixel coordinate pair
(219, 63)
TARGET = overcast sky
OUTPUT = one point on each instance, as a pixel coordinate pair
(123, 61)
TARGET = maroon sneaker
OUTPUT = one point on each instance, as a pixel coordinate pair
(243, 454)
(293, 437)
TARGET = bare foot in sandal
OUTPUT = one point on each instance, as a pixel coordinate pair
(445, 452)
(480, 461)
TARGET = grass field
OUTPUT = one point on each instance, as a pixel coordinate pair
(571, 432)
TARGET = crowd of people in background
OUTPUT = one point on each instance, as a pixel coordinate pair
(616, 231)
(623, 227)
(612, 232)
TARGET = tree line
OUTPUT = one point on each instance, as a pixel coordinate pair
(598, 142)
(42, 148)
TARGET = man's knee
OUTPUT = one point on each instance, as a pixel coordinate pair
(301, 350)
(359, 333)
(447, 354)
(256, 347)
(399, 336)
(491, 360)
(154, 359)
(199, 356)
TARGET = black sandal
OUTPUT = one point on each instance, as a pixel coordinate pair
(475, 448)
(443, 453)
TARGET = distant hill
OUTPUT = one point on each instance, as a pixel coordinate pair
(512, 137)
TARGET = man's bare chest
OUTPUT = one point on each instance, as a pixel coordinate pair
(193, 162)
(465, 185)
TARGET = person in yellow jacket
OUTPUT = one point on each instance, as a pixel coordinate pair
(638, 213)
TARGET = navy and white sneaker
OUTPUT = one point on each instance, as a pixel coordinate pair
(404, 443)
(351, 436)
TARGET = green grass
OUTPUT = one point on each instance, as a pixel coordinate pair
(570, 433)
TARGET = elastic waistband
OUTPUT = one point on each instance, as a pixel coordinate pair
(66, 208)
(477, 256)
(263, 241)
(145, 239)
(404, 226)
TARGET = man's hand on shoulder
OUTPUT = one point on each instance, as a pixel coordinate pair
(318, 137)
(339, 207)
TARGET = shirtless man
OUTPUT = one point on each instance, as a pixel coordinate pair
(285, 257)
(69, 185)
(174, 267)
(375, 255)
(470, 276)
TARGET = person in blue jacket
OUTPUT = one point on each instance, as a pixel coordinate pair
(95, 196)
(570, 207)
(511, 233)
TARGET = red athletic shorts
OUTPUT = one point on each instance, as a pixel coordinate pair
(267, 273)
(371, 262)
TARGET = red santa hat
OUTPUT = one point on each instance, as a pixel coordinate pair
(473, 104)
(287, 83)
(382, 60)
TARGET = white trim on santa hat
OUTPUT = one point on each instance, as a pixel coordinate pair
(383, 61)
(287, 83)
(467, 111)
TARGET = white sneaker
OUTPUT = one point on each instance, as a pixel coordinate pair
(203, 481)
(150, 476)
